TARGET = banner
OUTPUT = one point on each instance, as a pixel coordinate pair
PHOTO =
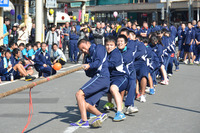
(79, 15)
(66, 9)
(86, 17)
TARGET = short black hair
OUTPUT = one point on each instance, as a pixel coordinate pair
(54, 45)
(110, 39)
(131, 31)
(145, 40)
(164, 30)
(6, 19)
(82, 41)
(21, 44)
(11, 44)
(3, 48)
(153, 21)
(124, 37)
(124, 30)
(8, 51)
(15, 51)
(153, 39)
(28, 44)
(189, 22)
(43, 43)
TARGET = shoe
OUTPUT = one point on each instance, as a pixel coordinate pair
(163, 82)
(131, 109)
(170, 75)
(29, 78)
(147, 90)
(90, 115)
(191, 63)
(142, 98)
(99, 120)
(119, 116)
(185, 62)
(81, 123)
(196, 62)
(108, 106)
(152, 91)
(138, 96)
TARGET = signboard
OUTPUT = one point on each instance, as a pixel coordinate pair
(4, 3)
(173, 0)
(51, 3)
(66, 9)
(86, 17)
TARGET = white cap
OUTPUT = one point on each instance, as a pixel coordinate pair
(16, 24)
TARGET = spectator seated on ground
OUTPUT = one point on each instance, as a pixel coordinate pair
(9, 69)
(58, 55)
(18, 60)
(43, 63)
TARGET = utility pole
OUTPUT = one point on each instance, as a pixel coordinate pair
(168, 11)
(26, 11)
(39, 20)
(190, 10)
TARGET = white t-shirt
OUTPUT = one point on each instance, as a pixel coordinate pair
(59, 54)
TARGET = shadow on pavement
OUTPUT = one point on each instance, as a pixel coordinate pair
(170, 106)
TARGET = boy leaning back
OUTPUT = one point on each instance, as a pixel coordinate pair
(96, 67)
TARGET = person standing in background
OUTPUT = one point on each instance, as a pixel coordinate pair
(51, 38)
(23, 35)
(73, 35)
(5, 32)
(66, 31)
(32, 37)
(14, 35)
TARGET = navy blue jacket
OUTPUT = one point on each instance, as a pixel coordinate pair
(41, 59)
(173, 31)
(181, 34)
(128, 54)
(197, 33)
(190, 34)
(97, 59)
(153, 60)
(168, 43)
(154, 29)
(143, 30)
(73, 37)
(116, 64)
(3, 70)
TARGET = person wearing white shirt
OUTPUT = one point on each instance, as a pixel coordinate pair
(58, 55)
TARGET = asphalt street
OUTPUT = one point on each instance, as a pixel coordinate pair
(173, 109)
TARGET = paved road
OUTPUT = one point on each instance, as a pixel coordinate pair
(174, 109)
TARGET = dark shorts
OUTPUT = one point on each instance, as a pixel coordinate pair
(7, 77)
(121, 82)
(187, 48)
(141, 70)
(95, 88)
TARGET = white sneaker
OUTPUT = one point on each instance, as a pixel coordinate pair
(131, 109)
(147, 90)
(170, 75)
(164, 82)
(196, 62)
(143, 99)
(185, 61)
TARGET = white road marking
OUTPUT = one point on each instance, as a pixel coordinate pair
(36, 75)
(70, 129)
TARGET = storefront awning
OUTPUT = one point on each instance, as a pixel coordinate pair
(8, 9)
